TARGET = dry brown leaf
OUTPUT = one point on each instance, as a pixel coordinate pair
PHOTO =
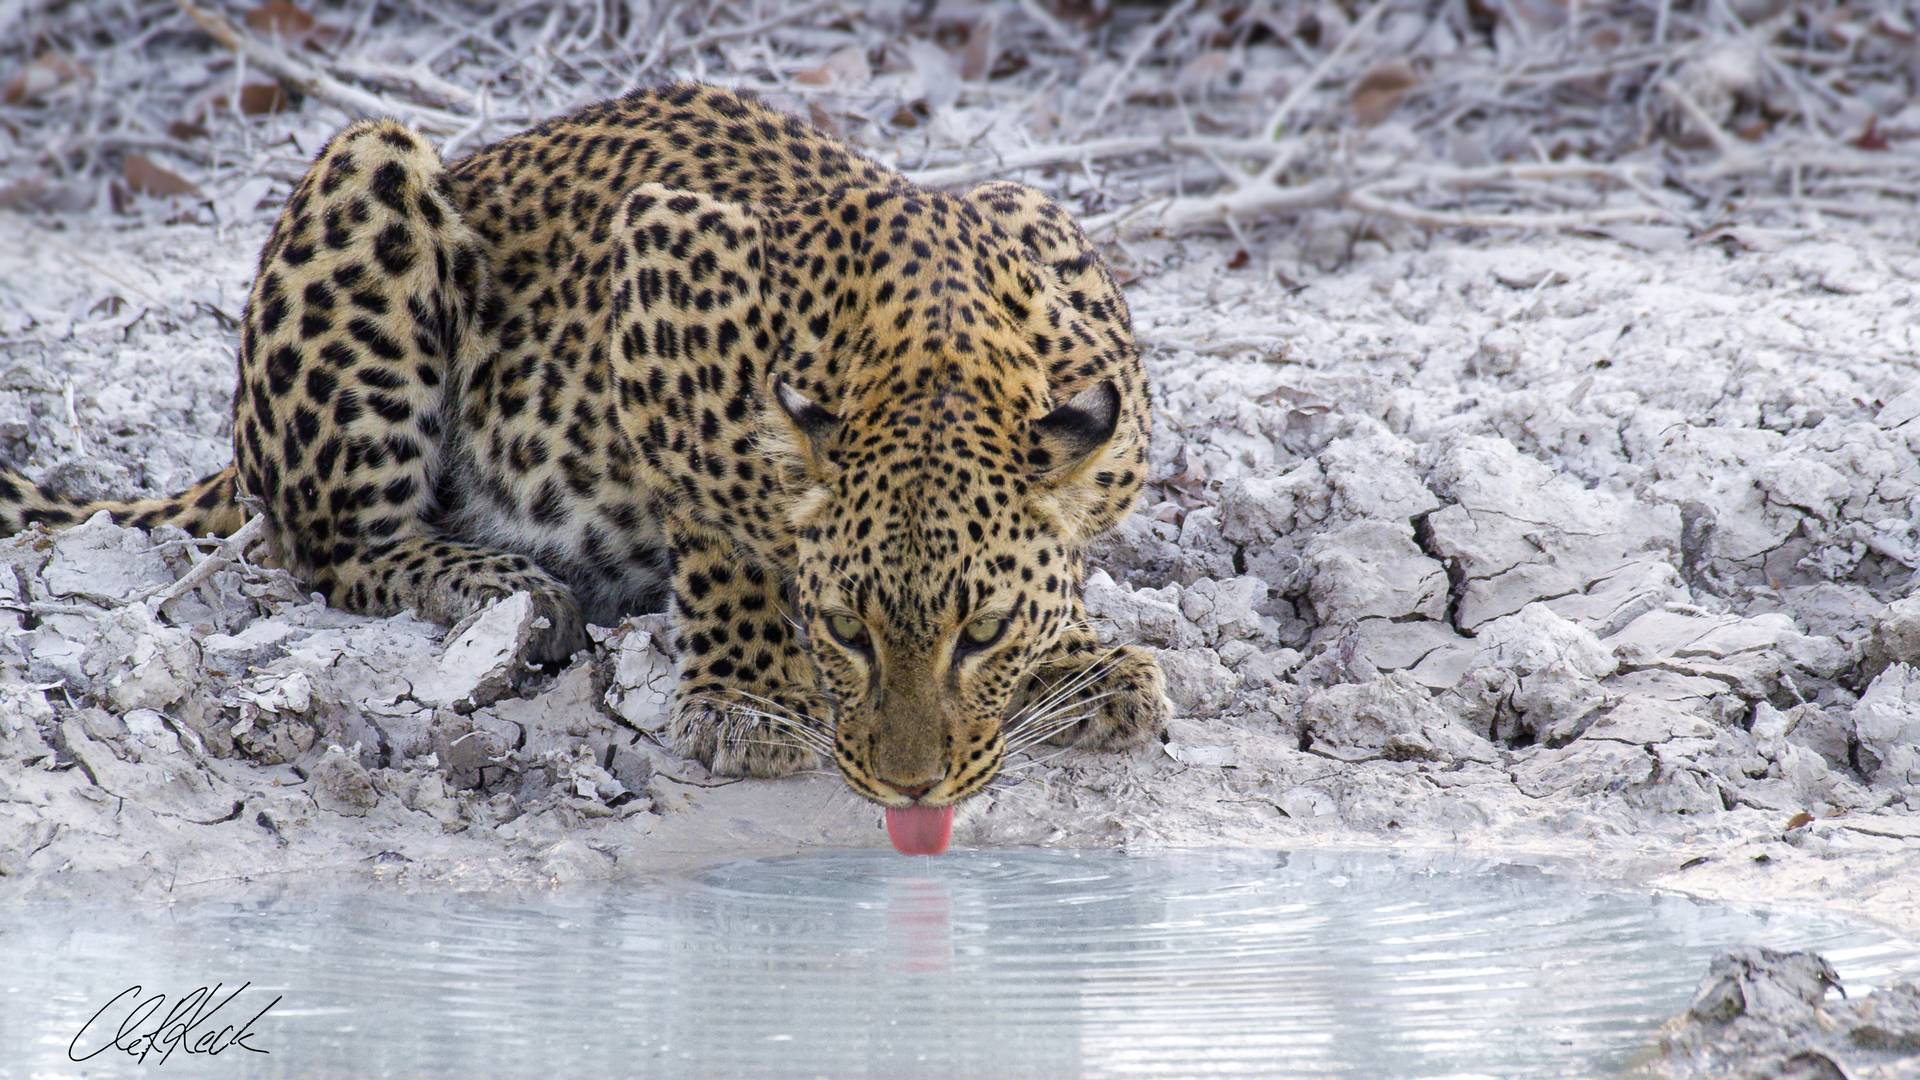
(823, 119)
(47, 72)
(911, 114)
(22, 195)
(849, 65)
(258, 99)
(1239, 260)
(1084, 15)
(1537, 16)
(1205, 70)
(846, 68)
(147, 178)
(279, 17)
(1895, 27)
(977, 55)
(1380, 91)
(1799, 821)
(1872, 138)
(1605, 38)
(184, 130)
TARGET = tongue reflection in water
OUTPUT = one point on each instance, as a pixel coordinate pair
(920, 830)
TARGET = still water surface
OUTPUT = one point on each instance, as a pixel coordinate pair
(984, 964)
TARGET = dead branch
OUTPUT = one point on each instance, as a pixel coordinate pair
(1100, 149)
(1264, 199)
(1288, 104)
(1170, 142)
(711, 38)
(231, 550)
(414, 81)
(1147, 41)
(312, 82)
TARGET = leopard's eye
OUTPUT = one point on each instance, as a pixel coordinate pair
(850, 631)
(981, 633)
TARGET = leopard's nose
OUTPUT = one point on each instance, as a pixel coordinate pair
(913, 790)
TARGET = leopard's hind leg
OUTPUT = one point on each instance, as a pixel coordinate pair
(368, 294)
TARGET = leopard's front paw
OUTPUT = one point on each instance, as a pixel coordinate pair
(564, 633)
(559, 631)
(741, 734)
(1109, 699)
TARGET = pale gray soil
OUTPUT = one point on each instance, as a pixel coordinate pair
(1587, 568)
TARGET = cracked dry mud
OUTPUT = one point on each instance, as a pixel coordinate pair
(1587, 551)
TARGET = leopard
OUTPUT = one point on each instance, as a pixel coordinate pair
(681, 349)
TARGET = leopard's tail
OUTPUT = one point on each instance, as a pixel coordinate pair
(208, 508)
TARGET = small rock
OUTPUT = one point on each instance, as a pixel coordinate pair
(1762, 983)
(574, 860)
(1224, 610)
(640, 684)
(341, 784)
(1306, 803)
(473, 749)
(1893, 637)
(105, 563)
(1392, 717)
(1198, 684)
(1501, 351)
(634, 770)
(482, 658)
(1886, 720)
(1761, 1013)
(1532, 674)
(150, 728)
(1143, 616)
(144, 664)
(427, 794)
(254, 645)
(1900, 410)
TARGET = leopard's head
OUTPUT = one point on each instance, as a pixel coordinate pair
(960, 410)
(938, 555)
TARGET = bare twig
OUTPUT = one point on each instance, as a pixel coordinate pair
(230, 551)
(734, 33)
(1723, 142)
(463, 75)
(1147, 41)
(1370, 203)
(1262, 200)
(1099, 149)
(415, 81)
(1179, 214)
(311, 81)
(1292, 101)
(1053, 27)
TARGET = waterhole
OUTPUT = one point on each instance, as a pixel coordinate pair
(985, 964)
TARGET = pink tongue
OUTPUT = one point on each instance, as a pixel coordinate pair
(920, 830)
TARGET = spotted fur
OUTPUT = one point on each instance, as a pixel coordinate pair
(680, 345)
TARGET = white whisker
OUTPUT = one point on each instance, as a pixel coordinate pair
(748, 721)
(1020, 726)
(1041, 735)
(1061, 691)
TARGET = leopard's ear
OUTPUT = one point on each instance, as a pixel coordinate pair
(813, 427)
(1064, 440)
